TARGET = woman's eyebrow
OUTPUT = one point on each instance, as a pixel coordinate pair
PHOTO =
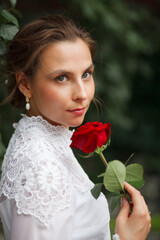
(63, 71)
(90, 67)
(59, 71)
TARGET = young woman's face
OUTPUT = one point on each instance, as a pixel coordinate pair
(63, 86)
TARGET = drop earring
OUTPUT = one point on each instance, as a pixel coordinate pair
(27, 104)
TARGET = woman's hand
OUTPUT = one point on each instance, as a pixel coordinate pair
(134, 226)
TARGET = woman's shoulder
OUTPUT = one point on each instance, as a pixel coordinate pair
(32, 150)
(37, 184)
(34, 135)
(36, 131)
(33, 143)
(27, 142)
(32, 173)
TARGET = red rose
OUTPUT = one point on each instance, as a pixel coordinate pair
(90, 136)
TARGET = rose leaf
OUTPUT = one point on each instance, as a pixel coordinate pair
(114, 201)
(114, 176)
(136, 184)
(101, 175)
(134, 172)
(134, 175)
(96, 190)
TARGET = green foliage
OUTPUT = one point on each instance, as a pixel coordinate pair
(96, 190)
(116, 173)
(115, 176)
(8, 28)
(7, 31)
(8, 17)
(114, 201)
(112, 226)
(2, 47)
(134, 172)
(134, 175)
(13, 3)
(156, 223)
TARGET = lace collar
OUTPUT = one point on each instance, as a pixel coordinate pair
(27, 122)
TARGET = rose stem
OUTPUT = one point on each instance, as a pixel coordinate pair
(103, 159)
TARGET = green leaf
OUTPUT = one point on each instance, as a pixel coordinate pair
(113, 194)
(2, 47)
(136, 184)
(114, 201)
(16, 13)
(2, 20)
(96, 190)
(8, 31)
(9, 17)
(134, 175)
(114, 176)
(134, 172)
(13, 2)
(101, 175)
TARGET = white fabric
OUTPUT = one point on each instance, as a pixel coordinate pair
(116, 237)
(44, 192)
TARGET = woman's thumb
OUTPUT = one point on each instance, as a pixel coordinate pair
(125, 208)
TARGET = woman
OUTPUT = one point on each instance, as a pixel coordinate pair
(44, 192)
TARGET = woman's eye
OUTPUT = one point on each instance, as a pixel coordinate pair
(61, 78)
(86, 75)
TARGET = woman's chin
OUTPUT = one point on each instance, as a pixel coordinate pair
(76, 123)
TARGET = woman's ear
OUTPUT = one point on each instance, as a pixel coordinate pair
(23, 84)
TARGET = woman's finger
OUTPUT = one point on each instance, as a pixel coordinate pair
(137, 199)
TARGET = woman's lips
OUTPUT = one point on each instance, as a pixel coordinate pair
(77, 111)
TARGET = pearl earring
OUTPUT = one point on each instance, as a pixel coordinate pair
(27, 104)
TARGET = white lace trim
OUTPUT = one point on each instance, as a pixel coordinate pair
(116, 237)
(39, 169)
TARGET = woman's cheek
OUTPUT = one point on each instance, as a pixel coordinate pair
(47, 93)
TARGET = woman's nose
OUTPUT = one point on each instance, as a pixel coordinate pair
(79, 91)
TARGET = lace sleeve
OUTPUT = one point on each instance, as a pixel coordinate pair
(38, 183)
(27, 227)
(43, 190)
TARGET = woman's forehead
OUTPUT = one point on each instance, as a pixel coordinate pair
(66, 55)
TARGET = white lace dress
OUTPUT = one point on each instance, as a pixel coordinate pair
(44, 192)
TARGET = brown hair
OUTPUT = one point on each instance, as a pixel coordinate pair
(31, 40)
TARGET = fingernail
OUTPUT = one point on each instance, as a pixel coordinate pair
(123, 201)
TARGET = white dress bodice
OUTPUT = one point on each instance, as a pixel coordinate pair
(44, 192)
